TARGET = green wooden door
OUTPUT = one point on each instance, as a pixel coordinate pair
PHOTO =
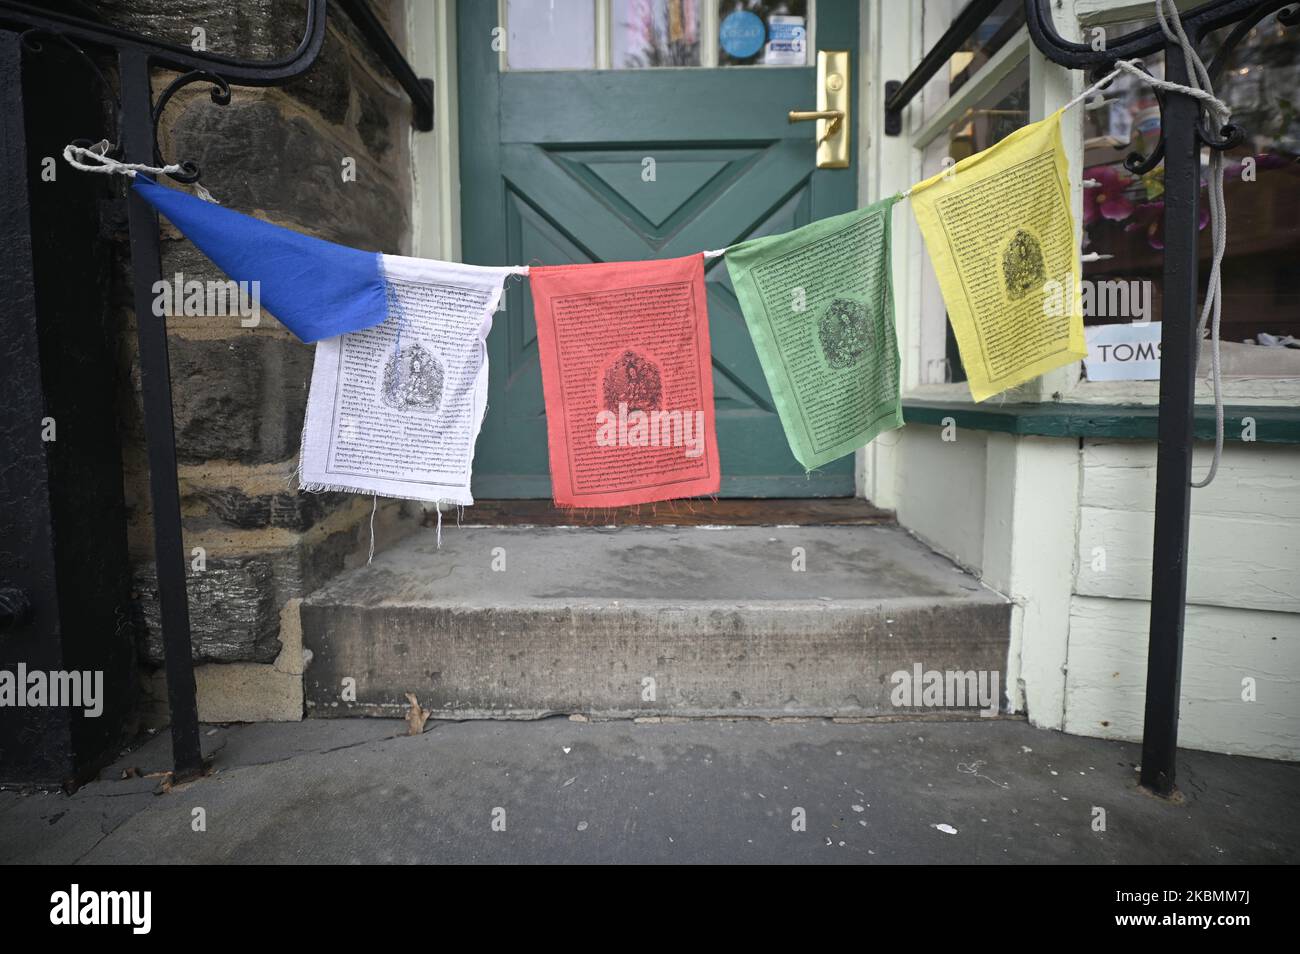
(553, 169)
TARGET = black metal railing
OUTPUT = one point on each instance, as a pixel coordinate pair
(136, 114)
(1183, 133)
(964, 25)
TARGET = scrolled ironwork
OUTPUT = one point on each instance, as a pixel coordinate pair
(220, 95)
(1137, 163)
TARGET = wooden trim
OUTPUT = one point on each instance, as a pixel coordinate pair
(841, 512)
(1273, 424)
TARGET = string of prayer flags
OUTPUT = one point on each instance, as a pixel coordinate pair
(820, 309)
(999, 232)
(395, 409)
(399, 386)
(628, 381)
(315, 288)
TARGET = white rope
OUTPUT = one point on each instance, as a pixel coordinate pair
(94, 159)
(1212, 310)
(1201, 90)
(373, 508)
(714, 253)
(1133, 67)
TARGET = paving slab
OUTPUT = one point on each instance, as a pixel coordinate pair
(984, 791)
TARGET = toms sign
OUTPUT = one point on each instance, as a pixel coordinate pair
(1127, 352)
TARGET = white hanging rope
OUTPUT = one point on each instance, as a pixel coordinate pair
(1212, 310)
(1201, 90)
(1133, 67)
(94, 159)
(373, 510)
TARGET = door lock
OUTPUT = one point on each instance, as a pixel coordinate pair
(832, 112)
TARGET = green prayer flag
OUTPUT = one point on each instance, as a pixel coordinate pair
(820, 308)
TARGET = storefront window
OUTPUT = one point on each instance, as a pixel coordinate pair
(1123, 214)
(994, 33)
(991, 35)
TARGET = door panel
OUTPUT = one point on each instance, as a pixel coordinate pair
(552, 171)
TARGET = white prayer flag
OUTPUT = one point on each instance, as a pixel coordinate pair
(395, 409)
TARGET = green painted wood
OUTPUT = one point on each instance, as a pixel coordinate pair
(1273, 425)
(551, 172)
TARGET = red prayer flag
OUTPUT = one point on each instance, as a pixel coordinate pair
(628, 381)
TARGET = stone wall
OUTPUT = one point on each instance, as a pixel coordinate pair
(240, 393)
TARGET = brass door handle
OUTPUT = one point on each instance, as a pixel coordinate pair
(833, 105)
(836, 117)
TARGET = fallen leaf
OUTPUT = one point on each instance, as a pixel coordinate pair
(946, 829)
(416, 716)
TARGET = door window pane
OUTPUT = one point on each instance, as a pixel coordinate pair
(647, 33)
(1123, 214)
(550, 34)
(762, 33)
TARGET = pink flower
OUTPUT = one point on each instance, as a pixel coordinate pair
(1106, 199)
(1150, 218)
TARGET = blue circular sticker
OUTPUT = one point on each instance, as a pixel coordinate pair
(741, 34)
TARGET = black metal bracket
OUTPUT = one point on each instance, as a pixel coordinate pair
(137, 114)
(898, 95)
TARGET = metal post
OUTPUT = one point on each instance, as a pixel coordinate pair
(1179, 345)
(159, 428)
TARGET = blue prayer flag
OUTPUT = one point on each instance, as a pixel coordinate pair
(315, 288)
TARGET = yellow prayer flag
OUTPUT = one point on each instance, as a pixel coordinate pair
(999, 232)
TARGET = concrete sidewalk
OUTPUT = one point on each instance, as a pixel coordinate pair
(352, 790)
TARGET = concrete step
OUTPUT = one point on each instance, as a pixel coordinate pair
(646, 621)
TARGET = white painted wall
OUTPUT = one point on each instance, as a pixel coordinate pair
(1243, 594)
(940, 490)
(1065, 531)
